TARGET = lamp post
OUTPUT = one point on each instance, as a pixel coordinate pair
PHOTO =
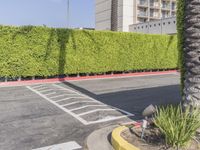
(68, 13)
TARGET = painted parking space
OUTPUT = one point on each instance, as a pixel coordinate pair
(85, 109)
(63, 146)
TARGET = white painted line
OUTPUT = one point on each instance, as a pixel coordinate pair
(59, 106)
(64, 146)
(113, 108)
(50, 93)
(61, 95)
(47, 90)
(41, 88)
(68, 104)
(83, 95)
(61, 87)
(96, 110)
(126, 112)
(88, 99)
(36, 86)
(86, 106)
(64, 99)
(108, 119)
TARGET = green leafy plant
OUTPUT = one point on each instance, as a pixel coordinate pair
(177, 126)
(41, 51)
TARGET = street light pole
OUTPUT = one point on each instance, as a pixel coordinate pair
(68, 13)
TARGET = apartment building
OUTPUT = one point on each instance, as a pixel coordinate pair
(118, 15)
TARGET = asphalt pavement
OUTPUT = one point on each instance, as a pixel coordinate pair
(40, 115)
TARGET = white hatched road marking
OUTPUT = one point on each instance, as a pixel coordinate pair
(41, 88)
(80, 96)
(35, 86)
(59, 106)
(86, 106)
(50, 93)
(68, 104)
(130, 114)
(61, 95)
(96, 110)
(74, 92)
(108, 118)
(47, 90)
(64, 146)
(64, 99)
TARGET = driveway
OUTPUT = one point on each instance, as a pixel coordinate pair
(40, 115)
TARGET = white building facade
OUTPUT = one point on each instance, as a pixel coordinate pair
(118, 15)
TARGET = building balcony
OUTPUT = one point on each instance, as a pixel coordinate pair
(173, 10)
(143, 3)
(153, 16)
(143, 15)
(165, 16)
(166, 7)
(154, 4)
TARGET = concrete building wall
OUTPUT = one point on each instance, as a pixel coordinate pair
(163, 26)
(118, 15)
(103, 15)
(105, 18)
(127, 14)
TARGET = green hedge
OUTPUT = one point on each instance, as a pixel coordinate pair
(41, 51)
(180, 36)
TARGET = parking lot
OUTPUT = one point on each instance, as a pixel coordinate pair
(39, 115)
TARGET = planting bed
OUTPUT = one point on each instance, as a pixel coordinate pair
(153, 140)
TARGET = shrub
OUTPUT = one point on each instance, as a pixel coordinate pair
(178, 126)
(41, 51)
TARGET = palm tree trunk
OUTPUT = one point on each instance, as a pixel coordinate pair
(114, 15)
(191, 52)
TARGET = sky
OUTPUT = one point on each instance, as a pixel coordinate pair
(52, 13)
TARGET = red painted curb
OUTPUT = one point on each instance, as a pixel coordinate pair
(19, 83)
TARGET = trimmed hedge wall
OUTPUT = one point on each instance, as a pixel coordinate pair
(41, 51)
(180, 36)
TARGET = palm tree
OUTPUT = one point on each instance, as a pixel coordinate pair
(190, 42)
(114, 15)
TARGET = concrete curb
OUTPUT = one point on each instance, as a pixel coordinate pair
(55, 80)
(118, 142)
(99, 139)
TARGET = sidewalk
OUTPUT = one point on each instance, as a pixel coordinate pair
(99, 139)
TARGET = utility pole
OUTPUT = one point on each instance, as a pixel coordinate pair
(68, 13)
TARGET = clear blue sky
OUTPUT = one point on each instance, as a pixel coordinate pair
(52, 13)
